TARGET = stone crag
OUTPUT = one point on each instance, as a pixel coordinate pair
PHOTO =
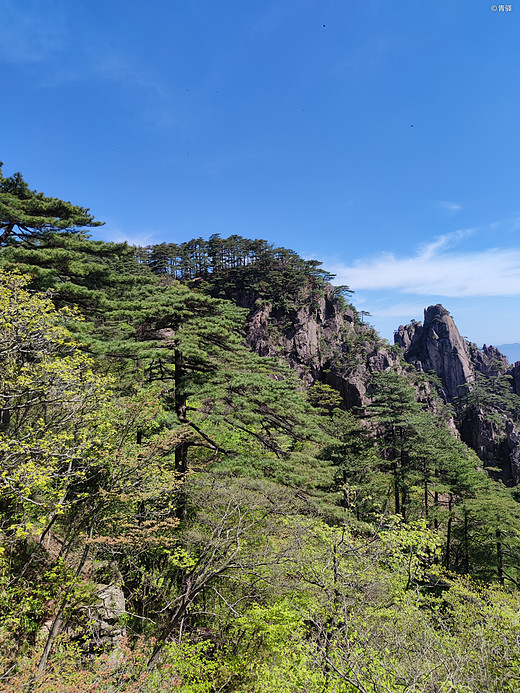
(437, 346)
(322, 341)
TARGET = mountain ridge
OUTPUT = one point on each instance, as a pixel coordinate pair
(512, 351)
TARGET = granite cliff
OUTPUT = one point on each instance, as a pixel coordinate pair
(320, 335)
(480, 384)
(437, 346)
(325, 341)
(322, 340)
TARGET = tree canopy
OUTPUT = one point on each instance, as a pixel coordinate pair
(27, 214)
(259, 537)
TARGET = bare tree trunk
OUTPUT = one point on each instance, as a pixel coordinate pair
(500, 557)
(448, 532)
(466, 543)
(436, 503)
(397, 495)
(181, 451)
(58, 619)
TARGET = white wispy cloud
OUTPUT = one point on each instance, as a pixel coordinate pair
(437, 269)
(116, 235)
(449, 207)
(399, 310)
(444, 242)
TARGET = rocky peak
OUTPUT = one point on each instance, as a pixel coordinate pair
(436, 345)
(489, 361)
(321, 340)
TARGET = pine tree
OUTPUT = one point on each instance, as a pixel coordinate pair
(28, 215)
(395, 413)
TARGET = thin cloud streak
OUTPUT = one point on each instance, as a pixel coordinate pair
(433, 270)
(399, 310)
(115, 234)
(447, 240)
(449, 207)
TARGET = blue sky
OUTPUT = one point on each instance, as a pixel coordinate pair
(379, 137)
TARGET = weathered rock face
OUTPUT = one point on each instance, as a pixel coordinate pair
(514, 372)
(490, 361)
(498, 446)
(438, 346)
(304, 337)
(322, 342)
(106, 616)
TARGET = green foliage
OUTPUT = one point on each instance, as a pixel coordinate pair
(72, 475)
(356, 344)
(80, 271)
(322, 396)
(241, 269)
(52, 402)
(27, 214)
(493, 395)
(264, 538)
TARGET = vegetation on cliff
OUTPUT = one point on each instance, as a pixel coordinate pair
(256, 535)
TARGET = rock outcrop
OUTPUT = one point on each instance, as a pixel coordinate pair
(515, 378)
(106, 616)
(436, 345)
(305, 337)
(488, 360)
(497, 443)
(322, 341)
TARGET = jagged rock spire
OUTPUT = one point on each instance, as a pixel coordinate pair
(436, 345)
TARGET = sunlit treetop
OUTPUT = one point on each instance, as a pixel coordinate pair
(29, 214)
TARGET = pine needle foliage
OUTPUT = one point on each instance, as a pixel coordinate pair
(26, 214)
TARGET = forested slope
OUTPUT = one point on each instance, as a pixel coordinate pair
(216, 477)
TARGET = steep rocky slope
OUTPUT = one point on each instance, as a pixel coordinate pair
(480, 384)
(515, 378)
(437, 346)
(323, 340)
(326, 341)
